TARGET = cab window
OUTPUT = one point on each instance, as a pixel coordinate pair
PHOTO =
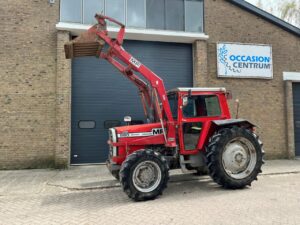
(201, 106)
(173, 104)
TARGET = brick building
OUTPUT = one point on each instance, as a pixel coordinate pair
(48, 102)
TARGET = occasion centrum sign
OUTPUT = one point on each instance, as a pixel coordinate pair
(244, 60)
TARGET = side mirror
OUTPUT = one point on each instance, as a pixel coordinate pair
(185, 101)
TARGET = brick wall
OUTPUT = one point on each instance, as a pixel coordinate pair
(28, 83)
(63, 103)
(261, 101)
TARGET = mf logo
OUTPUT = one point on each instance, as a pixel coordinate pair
(156, 131)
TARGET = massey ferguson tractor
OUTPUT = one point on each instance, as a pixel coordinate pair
(187, 127)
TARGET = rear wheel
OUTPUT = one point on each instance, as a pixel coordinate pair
(144, 175)
(235, 157)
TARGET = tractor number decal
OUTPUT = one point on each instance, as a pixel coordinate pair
(155, 131)
(135, 62)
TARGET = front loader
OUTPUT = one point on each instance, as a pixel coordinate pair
(187, 127)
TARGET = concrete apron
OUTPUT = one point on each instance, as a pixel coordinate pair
(98, 177)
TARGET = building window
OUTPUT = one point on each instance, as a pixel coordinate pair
(115, 9)
(136, 13)
(193, 11)
(89, 8)
(176, 15)
(70, 11)
(86, 124)
(155, 14)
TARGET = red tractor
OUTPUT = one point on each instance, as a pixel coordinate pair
(187, 128)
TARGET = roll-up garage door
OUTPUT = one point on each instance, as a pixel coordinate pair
(100, 93)
(296, 101)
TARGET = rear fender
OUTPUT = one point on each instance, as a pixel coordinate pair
(233, 122)
(216, 125)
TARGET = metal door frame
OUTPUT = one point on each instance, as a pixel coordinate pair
(289, 78)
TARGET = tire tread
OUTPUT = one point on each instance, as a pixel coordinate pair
(126, 169)
(214, 150)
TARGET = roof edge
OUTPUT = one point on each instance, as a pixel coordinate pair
(267, 16)
(204, 89)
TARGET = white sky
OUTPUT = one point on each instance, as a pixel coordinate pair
(268, 5)
(273, 7)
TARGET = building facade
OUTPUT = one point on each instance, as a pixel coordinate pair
(53, 109)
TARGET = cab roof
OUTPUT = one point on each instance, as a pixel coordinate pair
(195, 89)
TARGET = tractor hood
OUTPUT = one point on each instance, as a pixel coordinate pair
(127, 139)
(141, 130)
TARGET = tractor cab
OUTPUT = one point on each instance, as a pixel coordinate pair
(193, 109)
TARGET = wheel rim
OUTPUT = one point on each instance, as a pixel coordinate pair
(146, 176)
(239, 158)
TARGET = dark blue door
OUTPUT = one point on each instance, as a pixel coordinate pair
(296, 99)
(100, 93)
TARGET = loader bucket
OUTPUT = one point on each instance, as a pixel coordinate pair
(86, 44)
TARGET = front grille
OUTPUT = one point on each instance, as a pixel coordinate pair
(113, 151)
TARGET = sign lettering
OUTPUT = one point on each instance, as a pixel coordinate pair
(244, 60)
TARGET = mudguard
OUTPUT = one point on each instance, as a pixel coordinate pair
(231, 122)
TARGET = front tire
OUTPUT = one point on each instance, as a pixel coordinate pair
(235, 157)
(144, 175)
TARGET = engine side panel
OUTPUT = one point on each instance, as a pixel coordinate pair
(135, 137)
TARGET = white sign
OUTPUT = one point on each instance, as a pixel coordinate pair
(244, 60)
(135, 62)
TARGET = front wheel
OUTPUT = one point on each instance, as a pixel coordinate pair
(144, 175)
(235, 157)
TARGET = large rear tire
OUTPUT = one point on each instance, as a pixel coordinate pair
(235, 157)
(144, 175)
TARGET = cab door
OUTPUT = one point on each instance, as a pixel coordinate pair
(196, 112)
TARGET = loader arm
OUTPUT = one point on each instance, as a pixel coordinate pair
(97, 36)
